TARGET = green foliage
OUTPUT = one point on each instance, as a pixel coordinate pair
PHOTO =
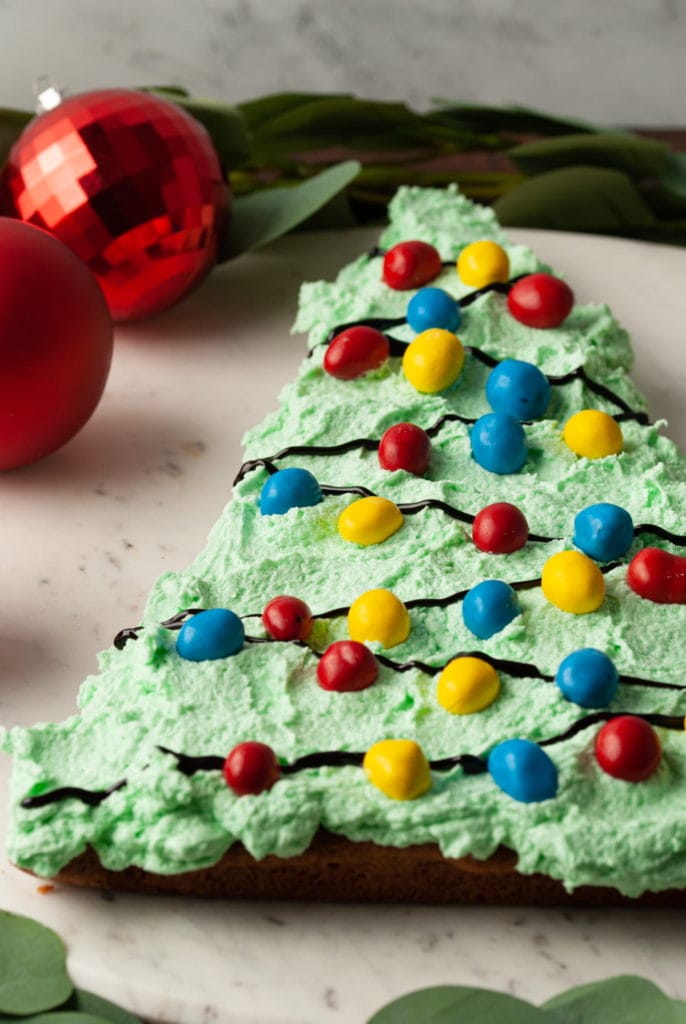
(33, 973)
(457, 1004)
(622, 1000)
(12, 123)
(636, 156)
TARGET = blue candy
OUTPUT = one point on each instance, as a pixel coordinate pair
(488, 607)
(216, 633)
(287, 489)
(523, 770)
(588, 678)
(603, 532)
(433, 307)
(499, 443)
(518, 389)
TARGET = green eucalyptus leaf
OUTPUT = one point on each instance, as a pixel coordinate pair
(621, 1000)
(261, 217)
(640, 158)
(96, 1006)
(33, 974)
(223, 122)
(258, 113)
(515, 119)
(591, 199)
(457, 1004)
(674, 176)
(59, 1016)
(12, 124)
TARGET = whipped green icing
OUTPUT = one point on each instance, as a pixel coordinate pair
(597, 830)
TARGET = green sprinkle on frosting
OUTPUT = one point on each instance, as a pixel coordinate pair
(598, 830)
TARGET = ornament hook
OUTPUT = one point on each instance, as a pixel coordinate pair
(48, 94)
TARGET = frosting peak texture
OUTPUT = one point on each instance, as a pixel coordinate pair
(596, 829)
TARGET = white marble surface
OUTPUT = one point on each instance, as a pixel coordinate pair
(618, 62)
(85, 533)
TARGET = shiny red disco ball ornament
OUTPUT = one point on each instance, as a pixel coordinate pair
(55, 344)
(132, 184)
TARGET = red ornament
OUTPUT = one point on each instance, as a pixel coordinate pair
(132, 184)
(405, 446)
(347, 665)
(540, 300)
(658, 576)
(411, 265)
(287, 618)
(500, 528)
(628, 748)
(55, 344)
(355, 352)
(251, 768)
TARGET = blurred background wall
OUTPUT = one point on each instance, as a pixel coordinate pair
(613, 61)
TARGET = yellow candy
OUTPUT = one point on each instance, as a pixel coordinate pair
(572, 582)
(378, 615)
(398, 768)
(467, 685)
(594, 434)
(369, 521)
(482, 263)
(433, 361)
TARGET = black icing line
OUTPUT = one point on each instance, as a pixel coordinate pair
(471, 764)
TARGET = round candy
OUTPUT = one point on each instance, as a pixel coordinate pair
(287, 618)
(658, 576)
(588, 678)
(433, 361)
(369, 521)
(573, 583)
(540, 300)
(593, 434)
(405, 446)
(356, 351)
(55, 343)
(628, 748)
(488, 607)
(287, 489)
(378, 615)
(603, 531)
(467, 685)
(410, 265)
(518, 389)
(433, 307)
(483, 263)
(215, 633)
(398, 768)
(498, 443)
(346, 666)
(523, 770)
(500, 529)
(251, 768)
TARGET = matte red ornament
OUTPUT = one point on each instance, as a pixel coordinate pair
(627, 747)
(658, 576)
(500, 528)
(540, 300)
(55, 344)
(287, 618)
(356, 351)
(132, 184)
(411, 265)
(251, 768)
(347, 665)
(405, 446)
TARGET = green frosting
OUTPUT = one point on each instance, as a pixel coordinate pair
(597, 830)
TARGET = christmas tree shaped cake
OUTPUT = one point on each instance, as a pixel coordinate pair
(442, 615)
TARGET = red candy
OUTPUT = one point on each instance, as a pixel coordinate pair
(411, 265)
(540, 300)
(628, 748)
(405, 446)
(287, 618)
(346, 666)
(500, 529)
(356, 351)
(251, 768)
(658, 576)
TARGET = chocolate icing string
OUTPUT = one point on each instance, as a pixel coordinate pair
(471, 764)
